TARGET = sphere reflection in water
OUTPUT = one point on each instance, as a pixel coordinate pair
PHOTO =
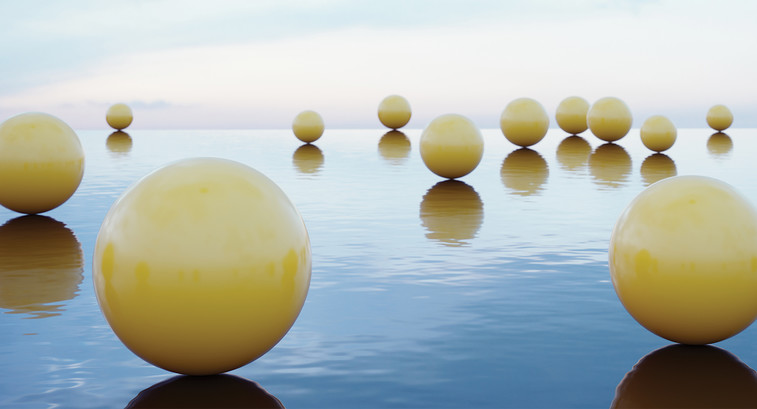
(685, 376)
(452, 212)
(720, 145)
(394, 146)
(657, 167)
(524, 171)
(119, 143)
(41, 265)
(308, 158)
(573, 153)
(216, 391)
(610, 165)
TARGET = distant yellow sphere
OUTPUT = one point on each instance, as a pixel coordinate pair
(683, 260)
(658, 133)
(119, 116)
(41, 163)
(571, 115)
(202, 266)
(394, 111)
(451, 146)
(524, 122)
(308, 126)
(719, 117)
(609, 119)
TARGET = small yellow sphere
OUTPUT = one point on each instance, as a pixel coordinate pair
(658, 133)
(683, 260)
(719, 117)
(308, 126)
(524, 122)
(609, 119)
(41, 163)
(202, 266)
(394, 111)
(451, 146)
(571, 115)
(119, 116)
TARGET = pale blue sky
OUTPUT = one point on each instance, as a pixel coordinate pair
(256, 64)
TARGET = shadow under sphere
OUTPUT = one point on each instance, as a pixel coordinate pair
(573, 153)
(524, 171)
(215, 391)
(308, 159)
(719, 144)
(119, 143)
(452, 212)
(610, 165)
(687, 376)
(656, 167)
(394, 146)
(41, 263)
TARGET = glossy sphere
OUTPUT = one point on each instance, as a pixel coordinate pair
(571, 115)
(719, 117)
(41, 163)
(658, 133)
(609, 119)
(202, 266)
(524, 122)
(683, 260)
(394, 111)
(119, 116)
(308, 126)
(451, 146)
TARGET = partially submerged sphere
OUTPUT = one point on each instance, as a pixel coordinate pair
(658, 133)
(394, 111)
(119, 116)
(202, 266)
(308, 126)
(524, 122)
(41, 163)
(683, 260)
(719, 117)
(609, 119)
(451, 146)
(571, 115)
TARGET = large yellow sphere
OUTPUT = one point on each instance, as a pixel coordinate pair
(451, 146)
(41, 163)
(524, 122)
(658, 133)
(683, 260)
(719, 117)
(571, 115)
(308, 126)
(609, 119)
(119, 116)
(202, 266)
(394, 111)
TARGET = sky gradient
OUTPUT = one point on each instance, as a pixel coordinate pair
(256, 64)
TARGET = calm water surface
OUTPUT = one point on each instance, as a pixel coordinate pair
(491, 291)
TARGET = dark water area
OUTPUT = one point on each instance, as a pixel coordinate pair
(492, 291)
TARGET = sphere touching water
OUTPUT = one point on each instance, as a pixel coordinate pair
(683, 260)
(609, 119)
(658, 133)
(41, 163)
(451, 146)
(571, 115)
(308, 126)
(524, 122)
(719, 117)
(394, 111)
(119, 116)
(202, 266)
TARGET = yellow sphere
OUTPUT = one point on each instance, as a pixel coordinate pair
(394, 111)
(571, 115)
(524, 122)
(308, 126)
(451, 146)
(41, 163)
(683, 260)
(202, 266)
(609, 119)
(119, 116)
(719, 117)
(658, 133)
